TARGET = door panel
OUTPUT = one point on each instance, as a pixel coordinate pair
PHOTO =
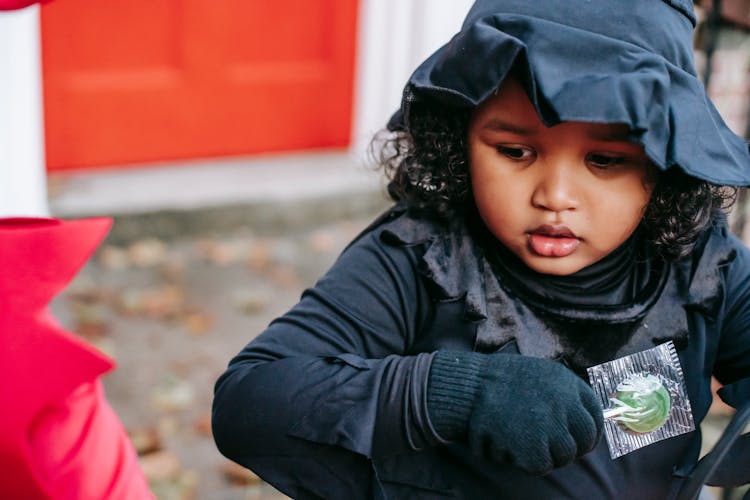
(132, 81)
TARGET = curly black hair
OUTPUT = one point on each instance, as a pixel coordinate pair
(427, 169)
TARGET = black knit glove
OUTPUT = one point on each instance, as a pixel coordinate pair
(529, 412)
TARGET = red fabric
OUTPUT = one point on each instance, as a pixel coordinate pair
(82, 452)
(58, 437)
(16, 4)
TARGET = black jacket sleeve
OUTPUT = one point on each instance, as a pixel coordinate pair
(733, 365)
(332, 384)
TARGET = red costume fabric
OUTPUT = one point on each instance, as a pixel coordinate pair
(15, 4)
(59, 438)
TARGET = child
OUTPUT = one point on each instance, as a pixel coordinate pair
(558, 170)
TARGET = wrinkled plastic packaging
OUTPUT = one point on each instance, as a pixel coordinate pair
(642, 371)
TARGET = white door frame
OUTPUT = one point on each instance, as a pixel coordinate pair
(23, 185)
(394, 37)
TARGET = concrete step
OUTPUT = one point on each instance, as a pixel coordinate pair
(268, 194)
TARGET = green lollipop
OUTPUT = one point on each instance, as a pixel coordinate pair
(642, 404)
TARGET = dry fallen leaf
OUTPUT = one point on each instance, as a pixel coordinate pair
(250, 301)
(148, 252)
(173, 394)
(166, 302)
(197, 322)
(181, 487)
(89, 319)
(145, 440)
(203, 426)
(322, 241)
(284, 276)
(113, 258)
(160, 465)
(238, 475)
(259, 255)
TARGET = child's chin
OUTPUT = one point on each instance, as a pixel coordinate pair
(557, 266)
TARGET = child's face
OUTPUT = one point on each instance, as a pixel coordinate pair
(561, 197)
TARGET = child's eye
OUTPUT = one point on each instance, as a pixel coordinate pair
(515, 152)
(604, 161)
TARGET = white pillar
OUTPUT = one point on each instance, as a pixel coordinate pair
(23, 190)
(394, 37)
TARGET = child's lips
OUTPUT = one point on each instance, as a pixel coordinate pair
(553, 241)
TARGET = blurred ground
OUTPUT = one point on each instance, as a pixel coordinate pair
(172, 313)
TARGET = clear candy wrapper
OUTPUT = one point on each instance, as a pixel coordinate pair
(643, 397)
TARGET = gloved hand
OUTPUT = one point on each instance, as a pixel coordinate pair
(530, 412)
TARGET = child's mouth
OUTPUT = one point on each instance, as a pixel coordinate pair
(553, 241)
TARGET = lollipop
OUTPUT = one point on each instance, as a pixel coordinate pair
(642, 404)
(643, 397)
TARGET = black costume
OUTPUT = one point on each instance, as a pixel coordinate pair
(331, 401)
(331, 398)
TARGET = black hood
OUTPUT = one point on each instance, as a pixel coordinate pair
(603, 61)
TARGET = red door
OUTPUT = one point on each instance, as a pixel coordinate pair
(132, 81)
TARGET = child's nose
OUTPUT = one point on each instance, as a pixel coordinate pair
(555, 189)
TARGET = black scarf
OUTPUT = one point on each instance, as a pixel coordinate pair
(618, 279)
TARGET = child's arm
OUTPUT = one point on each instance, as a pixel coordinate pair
(332, 381)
